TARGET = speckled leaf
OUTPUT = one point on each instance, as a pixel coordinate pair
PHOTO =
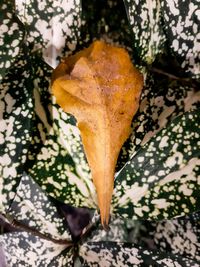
(162, 100)
(51, 26)
(162, 178)
(126, 254)
(32, 207)
(55, 158)
(180, 236)
(23, 249)
(145, 22)
(182, 27)
(16, 113)
(11, 36)
(170, 24)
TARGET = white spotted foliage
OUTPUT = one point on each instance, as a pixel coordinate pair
(25, 249)
(162, 179)
(158, 170)
(11, 36)
(183, 33)
(50, 26)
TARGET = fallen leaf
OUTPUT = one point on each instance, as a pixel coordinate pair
(101, 88)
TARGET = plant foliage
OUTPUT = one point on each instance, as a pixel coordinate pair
(43, 168)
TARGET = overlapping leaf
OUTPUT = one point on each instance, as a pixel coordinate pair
(45, 239)
(162, 178)
(179, 236)
(126, 254)
(51, 26)
(16, 113)
(55, 158)
(24, 249)
(146, 25)
(32, 207)
(182, 26)
(11, 36)
(157, 186)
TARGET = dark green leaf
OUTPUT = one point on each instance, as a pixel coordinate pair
(32, 207)
(16, 113)
(50, 26)
(162, 178)
(55, 158)
(180, 236)
(23, 249)
(11, 36)
(145, 22)
(182, 25)
(126, 254)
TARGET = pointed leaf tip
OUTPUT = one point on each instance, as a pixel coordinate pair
(101, 88)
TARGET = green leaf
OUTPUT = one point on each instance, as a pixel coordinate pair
(24, 249)
(16, 113)
(31, 207)
(51, 26)
(182, 25)
(181, 235)
(162, 178)
(126, 254)
(146, 24)
(55, 157)
(11, 36)
(162, 100)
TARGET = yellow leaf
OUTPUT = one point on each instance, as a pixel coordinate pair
(101, 88)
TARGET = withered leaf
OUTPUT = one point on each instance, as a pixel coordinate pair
(101, 88)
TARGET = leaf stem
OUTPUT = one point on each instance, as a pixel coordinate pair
(153, 69)
(28, 229)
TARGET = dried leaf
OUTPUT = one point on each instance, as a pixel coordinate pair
(101, 88)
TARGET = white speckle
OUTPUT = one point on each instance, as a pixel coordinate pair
(3, 126)
(134, 260)
(152, 178)
(165, 114)
(176, 158)
(138, 211)
(17, 111)
(1, 138)
(186, 170)
(146, 172)
(175, 45)
(10, 101)
(164, 142)
(197, 13)
(3, 28)
(54, 183)
(134, 193)
(161, 173)
(9, 171)
(185, 190)
(5, 160)
(140, 159)
(73, 179)
(15, 43)
(192, 97)
(168, 262)
(7, 64)
(160, 203)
